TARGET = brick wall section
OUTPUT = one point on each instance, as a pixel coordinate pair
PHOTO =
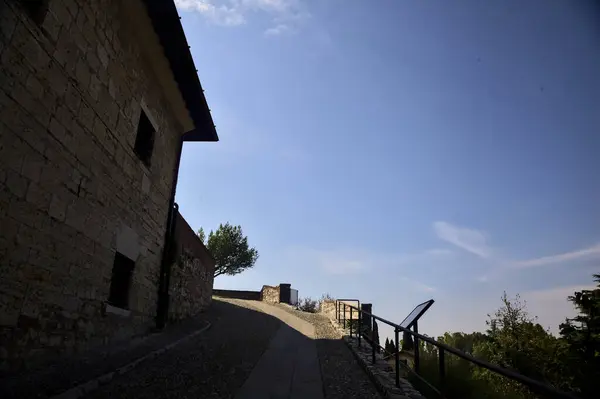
(70, 95)
(269, 294)
(192, 274)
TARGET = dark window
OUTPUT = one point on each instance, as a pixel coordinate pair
(121, 281)
(36, 9)
(144, 141)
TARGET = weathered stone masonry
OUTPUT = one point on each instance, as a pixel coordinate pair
(72, 190)
(192, 273)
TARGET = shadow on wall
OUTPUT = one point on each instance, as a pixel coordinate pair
(192, 274)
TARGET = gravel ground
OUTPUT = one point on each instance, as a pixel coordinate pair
(342, 377)
(213, 365)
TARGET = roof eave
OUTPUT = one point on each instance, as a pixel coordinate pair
(167, 25)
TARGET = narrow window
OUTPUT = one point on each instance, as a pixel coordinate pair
(144, 141)
(36, 9)
(121, 281)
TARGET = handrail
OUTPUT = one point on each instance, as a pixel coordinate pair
(482, 363)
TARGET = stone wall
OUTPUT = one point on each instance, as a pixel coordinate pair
(269, 294)
(327, 307)
(247, 295)
(192, 274)
(71, 187)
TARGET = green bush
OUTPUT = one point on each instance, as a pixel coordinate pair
(307, 305)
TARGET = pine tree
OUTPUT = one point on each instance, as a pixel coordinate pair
(392, 347)
(582, 334)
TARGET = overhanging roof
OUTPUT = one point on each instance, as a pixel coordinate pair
(167, 25)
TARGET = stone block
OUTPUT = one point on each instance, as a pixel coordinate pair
(11, 151)
(93, 61)
(32, 51)
(31, 103)
(51, 24)
(71, 6)
(32, 166)
(16, 184)
(58, 207)
(102, 55)
(86, 116)
(34, 87)
(57, 80)
(94, 87)
(72, 99)
(65, 116)
(80, 42)
(38, 197)
(61, 11)
(8, 22)
(76, 216)
(82, 73)
(59, 132)
(14, 68)
(67, 52)
(25, 213)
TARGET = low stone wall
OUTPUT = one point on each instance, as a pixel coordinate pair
(327, 307)
(248, 295)
(269, 294)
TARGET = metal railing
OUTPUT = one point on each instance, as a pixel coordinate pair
(442, 348)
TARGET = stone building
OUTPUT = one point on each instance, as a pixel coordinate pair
(96, 100)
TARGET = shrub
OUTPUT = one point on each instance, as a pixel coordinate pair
(307, 305)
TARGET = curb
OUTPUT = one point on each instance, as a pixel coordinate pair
(87, 387)
(386, 390)
(381, 387)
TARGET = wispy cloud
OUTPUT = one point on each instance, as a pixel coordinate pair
(278, 30)
(418, 286)
(471, 240)
(580, 254)
(285, 15)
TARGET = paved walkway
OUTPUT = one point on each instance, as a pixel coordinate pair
(289, 368)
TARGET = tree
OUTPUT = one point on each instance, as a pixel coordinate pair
(582, 337)
(389, 346)
(407, 341)
(230, 250)
(515, 341)
(375, 336)
(392, 347)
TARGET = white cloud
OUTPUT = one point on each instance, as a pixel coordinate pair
(581, 254)
(278, 30)
(470, 240)
(220, 14)
(286, 15)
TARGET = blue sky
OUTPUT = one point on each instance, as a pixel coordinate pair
(396, 151)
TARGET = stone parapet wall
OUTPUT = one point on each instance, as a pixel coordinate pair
(269, 294)
(328, 308)
(247, 295)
